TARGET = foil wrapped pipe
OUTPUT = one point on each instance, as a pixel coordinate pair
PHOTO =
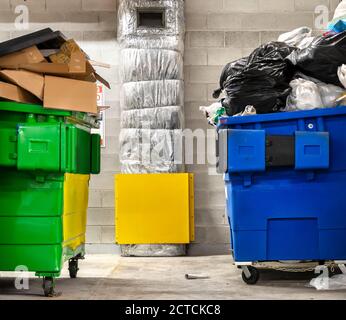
(173, 43)
(151, 64)
(128, 18)
(153, 118)
(152, 94)
(128, 167)
(151, 147)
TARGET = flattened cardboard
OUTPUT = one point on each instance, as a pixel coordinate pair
(14, 93)
(71, 54)
(25, 56)
(70, 94)
(30, 81)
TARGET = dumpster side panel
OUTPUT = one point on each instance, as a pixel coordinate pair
(76, 188)
(23, 196)
(36, 258)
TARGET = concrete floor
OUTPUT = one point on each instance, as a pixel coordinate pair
(114, 277)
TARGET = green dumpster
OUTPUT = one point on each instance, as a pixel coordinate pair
(46, 158)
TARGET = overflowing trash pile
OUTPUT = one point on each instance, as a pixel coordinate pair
(47, 69)
(296, 72)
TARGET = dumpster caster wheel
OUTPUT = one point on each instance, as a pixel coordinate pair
(48, 286)
(251, 277)
(73, 268)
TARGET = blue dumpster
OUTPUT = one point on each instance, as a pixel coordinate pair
(285, 176)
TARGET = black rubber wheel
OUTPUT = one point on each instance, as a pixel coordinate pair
(254, 276)
(48, 286)
(73, 268)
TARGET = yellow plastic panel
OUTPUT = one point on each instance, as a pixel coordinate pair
(154, 208)
(76, 191)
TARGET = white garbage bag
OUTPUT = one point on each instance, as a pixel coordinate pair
(322, 282)
(342, 74)
(300, 37)
(305, 95)
(213, 112)
(330, 94)
(309, 94)
(340, 10)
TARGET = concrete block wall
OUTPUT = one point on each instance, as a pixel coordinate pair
(218, 31)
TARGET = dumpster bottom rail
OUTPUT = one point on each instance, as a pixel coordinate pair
(290, 266)
(251, 270)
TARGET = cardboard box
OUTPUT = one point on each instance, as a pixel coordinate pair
(30, 81)
(25, 56)
(70, 94)
(14, 93)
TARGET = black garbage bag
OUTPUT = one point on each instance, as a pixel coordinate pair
(230, 69)
(263, 82)
(322, 58)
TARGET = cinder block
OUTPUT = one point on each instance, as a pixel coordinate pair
(93, 234)
(242, 39)
(268, 36)
(195, 57)
(204, 74)
(5, 5)
(65, 20)
(192, 111)
(108, 234)
(64, 5)
(102, 181)
(258, 22)
(195, 22)
(208, 182)
(217, 234)
(310, 5)
(276, 5)
(95, 199)
(100, 217)
(288, 21)
(241, 5)
(203, 6)
(204, 249)
(110, 163)
(112, 127)
(221, 56)
(195, 92)
(107, 21)
(206, 217)
(33, 5)
(114, 111)
(107, 197)
(111, 148)
(208, 199)
(221, 21)
(109, 37)
(102, 248)
(212, 234)
(103, 5)
(245, 52)
(206, 39)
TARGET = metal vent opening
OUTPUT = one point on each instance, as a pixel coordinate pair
(151, 18)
